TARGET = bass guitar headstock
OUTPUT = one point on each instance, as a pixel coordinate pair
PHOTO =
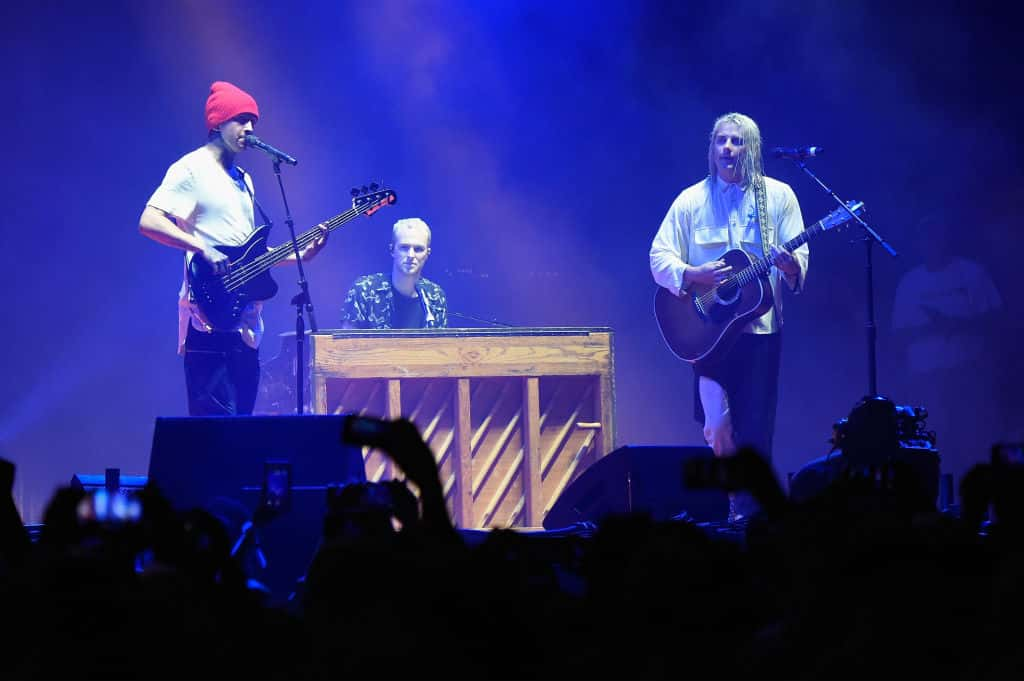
(371, 198)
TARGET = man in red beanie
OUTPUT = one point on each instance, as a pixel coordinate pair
(205, 200)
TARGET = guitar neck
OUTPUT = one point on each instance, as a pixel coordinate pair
(764, 265)
(282, 251)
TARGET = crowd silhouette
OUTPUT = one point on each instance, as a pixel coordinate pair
(858, 575)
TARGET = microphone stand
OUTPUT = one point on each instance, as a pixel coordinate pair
(870, 238)
(301, 300)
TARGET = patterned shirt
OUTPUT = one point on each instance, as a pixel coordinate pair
(370, 303)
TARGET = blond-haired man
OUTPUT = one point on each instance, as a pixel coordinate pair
(736, 393)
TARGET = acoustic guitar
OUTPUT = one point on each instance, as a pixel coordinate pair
(703, 322)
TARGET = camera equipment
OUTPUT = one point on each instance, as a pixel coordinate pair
(879, 418)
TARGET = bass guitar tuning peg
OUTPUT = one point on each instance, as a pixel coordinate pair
(355, 191)
(374, 186)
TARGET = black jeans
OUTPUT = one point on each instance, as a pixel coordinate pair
(222, 374)
(749, 373)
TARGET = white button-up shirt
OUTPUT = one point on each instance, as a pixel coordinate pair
(712, 217)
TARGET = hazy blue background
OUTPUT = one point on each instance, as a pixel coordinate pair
(542, 141)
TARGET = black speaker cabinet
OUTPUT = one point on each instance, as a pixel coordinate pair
(218, 463)
(637, 479)
(112, 479)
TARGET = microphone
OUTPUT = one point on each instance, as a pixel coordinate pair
(799, 153)
(252, 140)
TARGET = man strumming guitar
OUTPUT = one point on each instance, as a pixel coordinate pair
(735, 207)
(204, 201)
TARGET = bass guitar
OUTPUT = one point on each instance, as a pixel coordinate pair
(700, 324)
(222, 297)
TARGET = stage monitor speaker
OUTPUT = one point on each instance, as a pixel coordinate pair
(638, 479)
(218, 463)
(113, 478)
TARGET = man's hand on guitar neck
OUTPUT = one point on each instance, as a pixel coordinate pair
(314, 247)
(709, 274)
(786, 263)
(318, 243)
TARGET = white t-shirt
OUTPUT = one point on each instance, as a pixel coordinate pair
(208, 202)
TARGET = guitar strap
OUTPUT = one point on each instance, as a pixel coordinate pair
(263, 214)
(761, 199)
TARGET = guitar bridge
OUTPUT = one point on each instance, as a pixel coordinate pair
(701, 312)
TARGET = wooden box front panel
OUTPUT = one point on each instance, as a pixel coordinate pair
(427, 402)
(491, 472)
(496, 456)
(570, 432)
(512, 416)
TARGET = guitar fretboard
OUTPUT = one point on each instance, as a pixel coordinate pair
(262, 263)
(282, 251)
(764, 265)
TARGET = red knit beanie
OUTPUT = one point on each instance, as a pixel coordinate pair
(227, 101)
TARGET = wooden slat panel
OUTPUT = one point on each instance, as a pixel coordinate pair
(394, 399)
(571, 417)
(503, 495)
(532, 498)
(558, 439)
(464, 456)
(570, 472)
(394, 405)
(429, 403)
(605, 399)
(367, 398)
(497, 452)
(319, 392)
